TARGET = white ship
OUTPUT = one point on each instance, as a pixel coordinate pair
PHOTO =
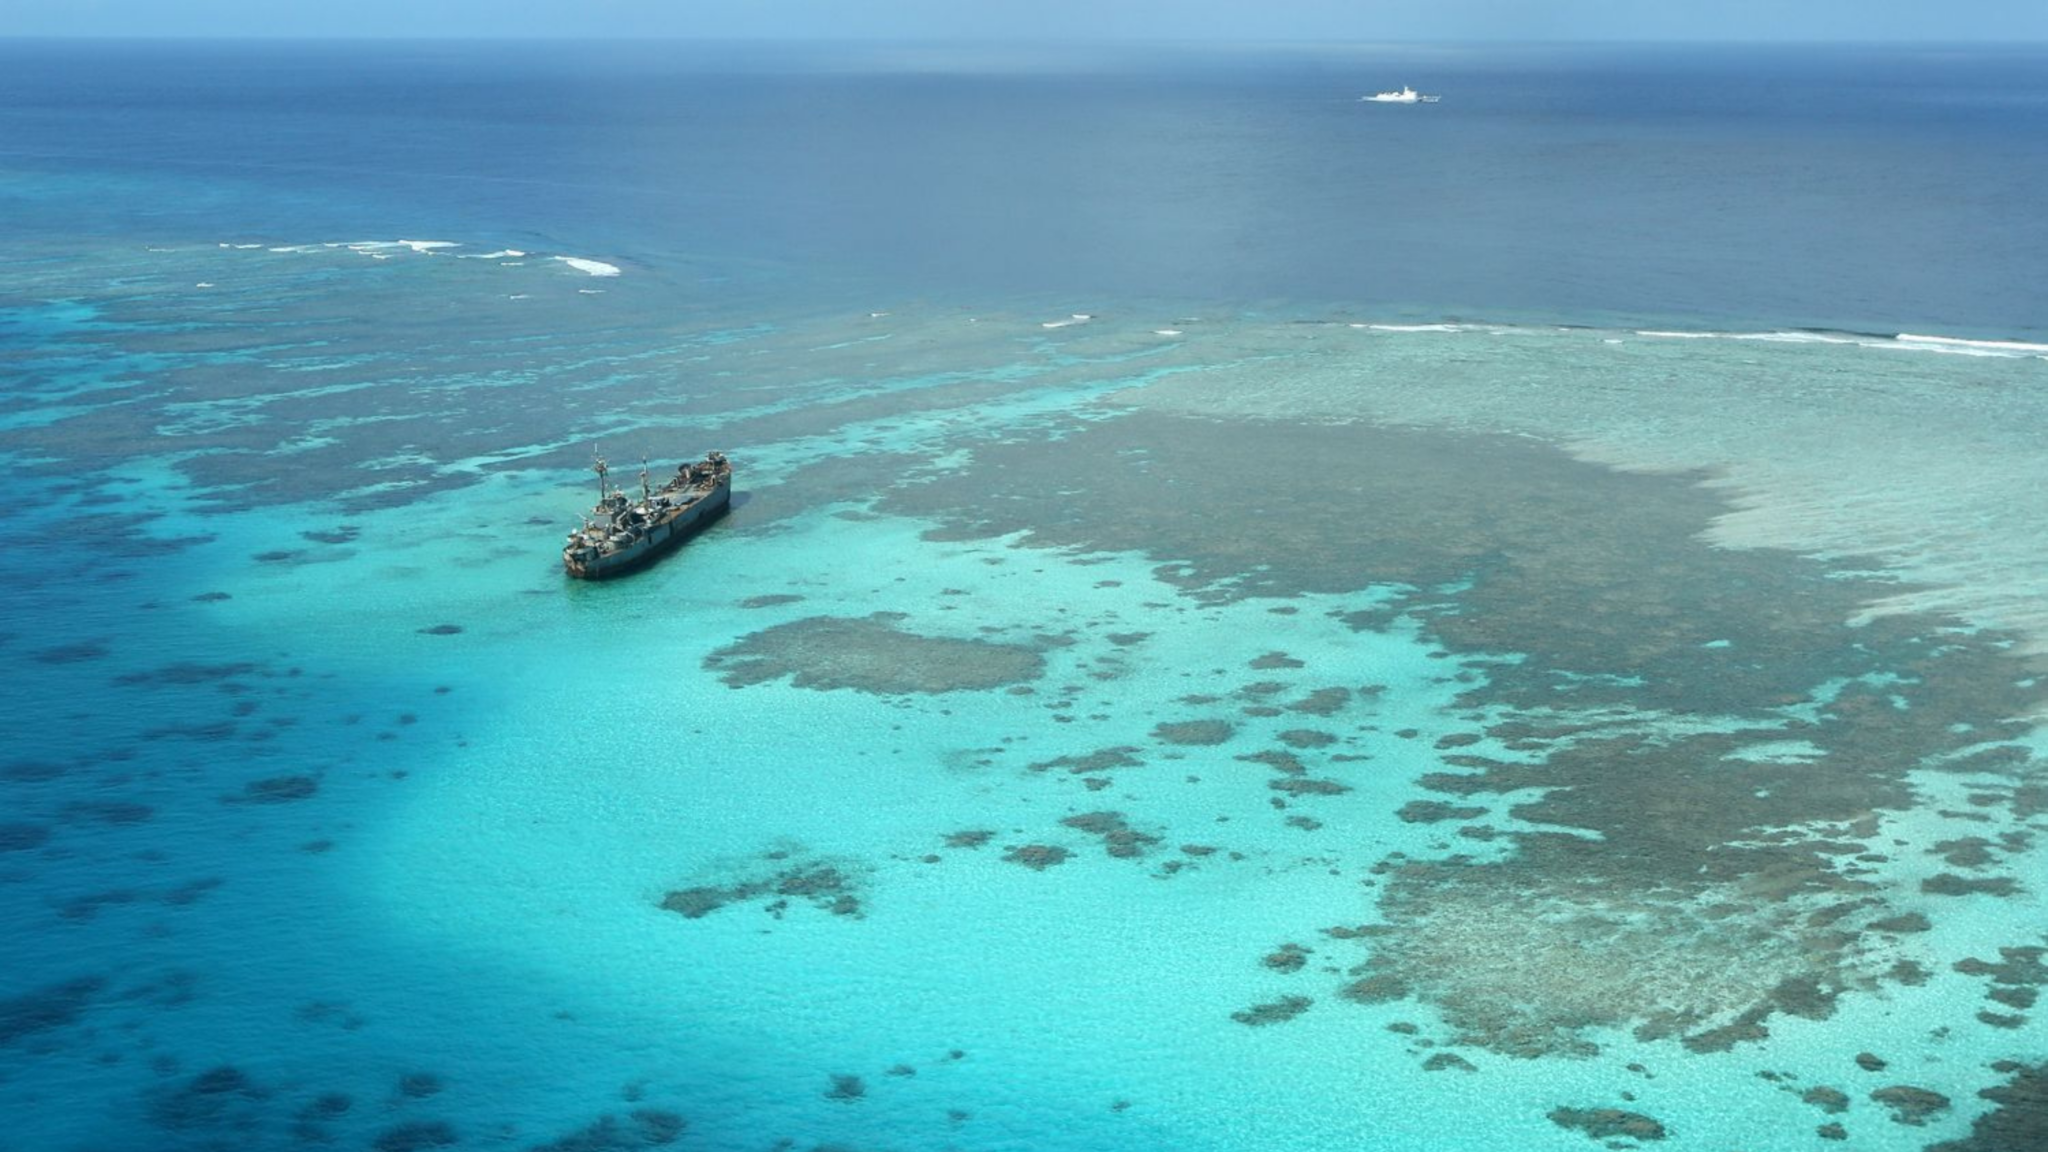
(1406, 95)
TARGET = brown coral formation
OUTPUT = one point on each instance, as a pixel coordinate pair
(1608, 1123)
(825, 886)
(874, 655)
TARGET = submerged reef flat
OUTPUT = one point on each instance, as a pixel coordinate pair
(1663, 878)
(1264, 741)
(872, 655)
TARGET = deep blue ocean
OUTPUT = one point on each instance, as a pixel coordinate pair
(1251, 619)
(1879, 188)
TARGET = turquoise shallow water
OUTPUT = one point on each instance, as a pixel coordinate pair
(1107, 719)
(1016, 771)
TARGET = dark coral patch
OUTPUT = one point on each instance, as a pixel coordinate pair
(2018, 1118)
(74, 653)
(51, 1006)
(1830, 1100)
(416, 1136)
(1306, 738)
(1968, 852)
(1435, 811)
(277, 790)
(770, 600)
(1909, 1104)
(1285, 763)
(109, 811)
(1037, 857)
(1321, 702)
(185, 673)
(1100, 760)
(694, 903)
(1276, 1012)
(1380, 989)
(419, 1085)
(327, 1106)
(1276, 660)
(872, 655)
(441, 630)
(643, 1128)
(32, 771)
(1608, 1123)
(219, 1100)
(1195, 733)
(1118, 838)
(1287, 958)
(1950, 884)
(825, 886)
(16, 836)
(1307, 786)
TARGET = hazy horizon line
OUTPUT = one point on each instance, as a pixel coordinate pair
(1018, 41)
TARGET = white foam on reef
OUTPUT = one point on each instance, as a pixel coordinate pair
(1166, 332)
(204, 284)
(1801, 337)
(498, 255)
(1070, 321)
(1904, 342)
(590, 291)
(371, 247)
(1411, 327)
(593, 267)
(1959, 342)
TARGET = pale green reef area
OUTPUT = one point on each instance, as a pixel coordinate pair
(1094, 725)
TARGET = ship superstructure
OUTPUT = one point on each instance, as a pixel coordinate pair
(621, 534)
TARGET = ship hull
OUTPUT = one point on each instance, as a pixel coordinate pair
(659, 540)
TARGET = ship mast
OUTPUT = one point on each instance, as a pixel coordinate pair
(601, 469)
(646, 493)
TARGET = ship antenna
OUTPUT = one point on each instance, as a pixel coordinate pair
(600, 468)
(646, 493)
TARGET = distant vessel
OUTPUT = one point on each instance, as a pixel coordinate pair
(619, 535)
(1406, 95)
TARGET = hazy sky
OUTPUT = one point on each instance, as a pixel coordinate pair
(1950, 20)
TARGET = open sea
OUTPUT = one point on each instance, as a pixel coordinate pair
(1251, 621)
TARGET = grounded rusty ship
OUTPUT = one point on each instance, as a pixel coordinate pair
(619, 535)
